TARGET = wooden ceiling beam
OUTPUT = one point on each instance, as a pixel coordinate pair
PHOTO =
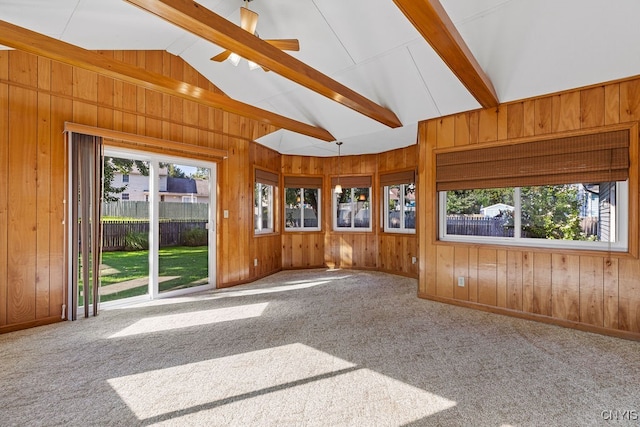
(204, 23)
(432, 21)
(38, 44)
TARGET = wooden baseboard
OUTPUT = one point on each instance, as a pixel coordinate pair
(535, 317)
(245, 281)
(33, 323)
(399, 273)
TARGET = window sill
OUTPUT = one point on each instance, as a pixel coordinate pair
(271, 233)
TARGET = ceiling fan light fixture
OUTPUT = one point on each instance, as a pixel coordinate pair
(234, 58)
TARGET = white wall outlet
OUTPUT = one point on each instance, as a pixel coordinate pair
(225, 213)
(414, 260)
(255, 262)
(461, 281)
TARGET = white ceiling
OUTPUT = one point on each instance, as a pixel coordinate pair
(526, 47)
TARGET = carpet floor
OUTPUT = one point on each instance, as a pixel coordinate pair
(314, 348)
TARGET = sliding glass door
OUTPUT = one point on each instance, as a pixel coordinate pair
(158, 226)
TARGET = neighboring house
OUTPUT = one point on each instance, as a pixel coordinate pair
(176, 190)
(495, 210)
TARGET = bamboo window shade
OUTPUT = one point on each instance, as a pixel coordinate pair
(600, 157)
(402, 177)
(266, 177)
(352, 181)
(303, 182)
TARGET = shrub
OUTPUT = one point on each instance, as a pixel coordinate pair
(195, 237)
(136, 241)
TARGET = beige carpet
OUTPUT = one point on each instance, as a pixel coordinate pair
(314, 348)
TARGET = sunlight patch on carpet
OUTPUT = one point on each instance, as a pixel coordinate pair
(192, 318)
(240, 389)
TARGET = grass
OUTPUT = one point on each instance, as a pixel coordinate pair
(188, 263)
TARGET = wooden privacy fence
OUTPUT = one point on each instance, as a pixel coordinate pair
(477, 226)
(171, 232)
(463, 225)
(140, 209)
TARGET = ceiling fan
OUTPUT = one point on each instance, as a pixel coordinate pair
(249, 22)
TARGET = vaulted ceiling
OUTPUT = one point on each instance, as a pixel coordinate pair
(382, 74)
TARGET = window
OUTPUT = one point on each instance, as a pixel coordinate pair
(577, 216)
(125, 178)
(399, 209)
(265, 184)
(352, 207)
(190, 199)
(302, 203)
(569, 192)
(125, 196)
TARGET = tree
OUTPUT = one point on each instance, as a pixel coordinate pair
(551, 212)
(200, 173)
(174, 171)
(467, 202)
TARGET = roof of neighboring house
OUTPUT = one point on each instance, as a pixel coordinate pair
(182, 185)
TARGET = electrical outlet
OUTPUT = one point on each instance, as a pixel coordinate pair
(461, 281)
(225, 213)
(414, 260)
(255, 262)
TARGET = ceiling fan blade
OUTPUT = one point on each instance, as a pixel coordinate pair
(285, 44)
(221, 56)
(248, 20)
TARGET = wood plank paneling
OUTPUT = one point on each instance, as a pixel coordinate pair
(630, 101)
(461, 269)
(542, 290)
(515, 120)
(629, 295)
(612, 104)
(43, 207)
(4, 185)
(488, 125)
(487, 276)
(22, 220)
(445, 271)
(502, 277)
(565, 112)
(591, 290)
(446, 129)
(565, 282)
(473, 274)
(527, 282)
(461, 129)
(514, 280)
(60, 108)
(610, 293)
(592, 107)
(543, 115)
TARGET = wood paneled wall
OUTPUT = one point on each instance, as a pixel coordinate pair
(586, 290)
(37, 96)
(377, 250)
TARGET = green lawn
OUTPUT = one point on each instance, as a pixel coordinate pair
(188, 263)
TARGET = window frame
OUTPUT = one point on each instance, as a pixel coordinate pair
(385, 216)
(352, 228)
(258, 220)
(302, 201)
(622, 227)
